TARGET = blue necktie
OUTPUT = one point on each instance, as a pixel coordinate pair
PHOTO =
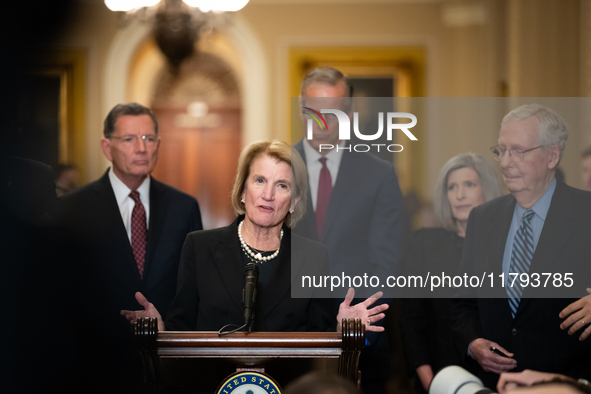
(523, 251)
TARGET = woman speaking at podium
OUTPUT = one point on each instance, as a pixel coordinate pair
(269, 197)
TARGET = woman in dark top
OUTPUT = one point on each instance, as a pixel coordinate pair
(269, 196)
(464, 182)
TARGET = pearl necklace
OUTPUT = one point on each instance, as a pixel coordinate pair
(256, 256)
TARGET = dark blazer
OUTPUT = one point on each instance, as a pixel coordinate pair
(211, 280)
(363, 224)
(534, 335)
(426, 322)
(362, 233)
(105, 275)
(92, 212)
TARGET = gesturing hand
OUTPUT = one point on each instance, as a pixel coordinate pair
(149, 311)
(578, 315)
(360, 311)
(488, 360)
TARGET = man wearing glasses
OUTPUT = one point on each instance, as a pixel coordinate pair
(126, 231)
(542, 226)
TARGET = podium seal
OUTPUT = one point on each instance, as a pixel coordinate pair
(249, 383)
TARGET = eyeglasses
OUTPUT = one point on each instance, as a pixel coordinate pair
(130, 139)
(515, 153)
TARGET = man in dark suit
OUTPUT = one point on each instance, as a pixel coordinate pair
(355, 207)
(542, 226)
(127, 231)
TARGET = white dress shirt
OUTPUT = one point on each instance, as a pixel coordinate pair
(314, 166)
(125, 202)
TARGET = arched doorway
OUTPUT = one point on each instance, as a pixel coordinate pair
(133, 72)
(199, 113)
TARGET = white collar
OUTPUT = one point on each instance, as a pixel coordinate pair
(122, 191)
(312, 155)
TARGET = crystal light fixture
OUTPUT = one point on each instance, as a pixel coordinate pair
(177, 24)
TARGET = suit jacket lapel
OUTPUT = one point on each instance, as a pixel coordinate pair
(228, 260)
(339, 191)
(556, 231)
(111, 217)
(279, 287)
(498, 230)
(227, 256)
(157, 209)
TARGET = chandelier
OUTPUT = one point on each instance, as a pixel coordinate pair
(177, 24)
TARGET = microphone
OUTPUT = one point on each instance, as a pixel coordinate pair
(251, 276)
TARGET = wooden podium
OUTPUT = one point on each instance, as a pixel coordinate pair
(246, 351)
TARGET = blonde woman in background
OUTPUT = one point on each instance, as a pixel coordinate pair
(464, 182)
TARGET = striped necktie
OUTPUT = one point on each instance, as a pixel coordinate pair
(523, 251)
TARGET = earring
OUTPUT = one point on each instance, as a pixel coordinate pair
(242, 201)
(291, 210)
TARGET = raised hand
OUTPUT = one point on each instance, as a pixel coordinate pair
(360, 311)
(149, 311)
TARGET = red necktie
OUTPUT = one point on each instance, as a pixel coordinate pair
(138, 232)
(324, 191)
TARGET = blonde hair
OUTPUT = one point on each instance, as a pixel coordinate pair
(280, 151)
